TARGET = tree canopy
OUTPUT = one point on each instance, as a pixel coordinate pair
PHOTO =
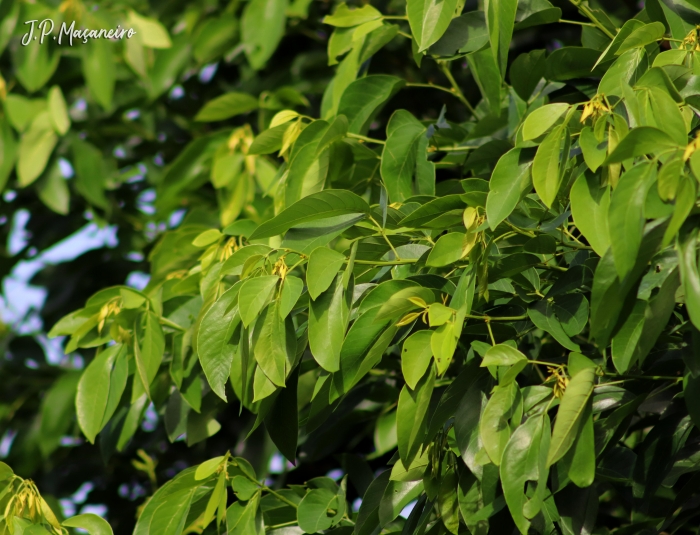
(282, 266)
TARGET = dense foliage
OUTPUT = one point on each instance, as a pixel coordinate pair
(440, 255)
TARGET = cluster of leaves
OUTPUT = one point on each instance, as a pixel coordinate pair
(508, 305)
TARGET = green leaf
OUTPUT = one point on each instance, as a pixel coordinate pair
(227, 106)
(151, 32)
(688, 264)
(93, 392)
(411, 417)
(583, 452)
(345, 17)
(364, 99)
(500, 19)
(448, 249)
(35, 148)
(282, 422)
(274, 345)
(397, 495)
(431, 212)
(526, 72)
(415, 357)
(149, 347)
(542, 119)
(443, 343)
(313, 511)
(549, 163)
(502, 355)
(53, 190)
(170, 515)
(99, 70)
(400, 154)
(429, 19)
(254, 295)
(466, 33)
(523, 461)
(90, 173)
(214, 340)
(543, 316)
(627, 68)
(569, 415)
(57, 411)
(642, 36)
(8, 152)
(328, 318)
(487, 75)
(511, 179)
(245, 519)
(207, 237)
(324, 264)
(58, 110)
(208, 468)
(91, 523)
(640, 141)
(594, 153)
(626, 215)
(590, 205)
(325, 204)
(494, 427)
(289, 294)
(262, 28)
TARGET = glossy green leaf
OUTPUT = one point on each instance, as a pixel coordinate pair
(328, 319)
(570, 413)
(323, 265)
(93, 524)
(502, 355)
(262, 27)
(590, 205)
(494, 427)
(411, 417)
(510, 180)
(429, 19)
(548, 165)
(415, 357)
(254, 295)
(542, 119)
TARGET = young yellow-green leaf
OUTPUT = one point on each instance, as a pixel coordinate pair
(53, 190)
(345, 17)
(569, 415)
(253, 296)
(415, 357)
(502, 355)
(328, 320)
(448, 249)
(91, 523)
(208, 468)
(429, 19)
(35, 148)
(207, 237)
(590, 204)
(542, 119)
(226, 106)
(324, 264)
(443, 343)
(93, 392)
(438, 314)
(214, 337)
(58, 110)
(151, 32)
(547, 167)
(494, 428)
